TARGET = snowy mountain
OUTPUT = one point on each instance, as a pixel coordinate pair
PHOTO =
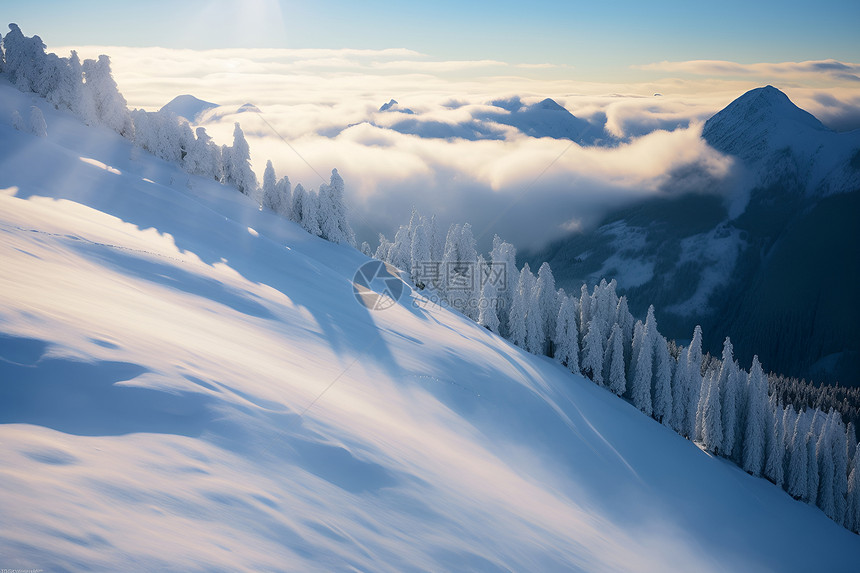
(189, 383)
(547, 119)
(188, 106)
(777, 139)
(758, 265)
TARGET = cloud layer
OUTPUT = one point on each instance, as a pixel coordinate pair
(325, 103)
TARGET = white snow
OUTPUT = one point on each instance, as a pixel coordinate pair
(180, 394)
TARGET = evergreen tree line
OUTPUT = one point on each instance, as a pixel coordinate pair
(88, 90)
(741, 415)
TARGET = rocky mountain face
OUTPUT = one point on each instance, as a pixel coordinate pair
(774, 266)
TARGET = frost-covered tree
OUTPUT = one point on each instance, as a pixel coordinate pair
(310, 213)
(400, 254)
(38, 126)
(284, 190)
(826, 469)
(663, 382)
(365, 249)
(487, 315)
(694, 374)
(797, 478)
(382, 251)
(625, 321)
(840, 468)
(680, 390)
(297, 209)
(519, 308)
(24, 58)
(756, 420)
(238, 172)
(712, 425)
(111, 108)
(204, 157)
(584, 311)
(420, 256)
(592, 352)
(79, 99)
(813, 476)
(333, 214)
(503, 259)
(614, 368)
(728, 384)
(18, 121)
(567, 336)
(642, 376)
(271, 200)
(773, 469)
(547, 308)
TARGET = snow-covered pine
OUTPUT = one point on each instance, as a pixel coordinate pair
(593, 351)
(663, 407)
(797, 479)
(297, 208)
(642, 377)
(616, 378)
(567, 336)
(728, 384)
(826, 469)
(756, 417)
(420, 258)
(694, 377)
(240, 174)
(503, 258)
(111, 107)
(487, 314)
(310, 213)
(547, 305)
(774, 464)
(712, 425)
(18, 121)
(333, 213)
(271, 200)
(517, 318)
(204, 157)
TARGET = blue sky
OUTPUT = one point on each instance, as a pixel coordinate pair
(601, 38)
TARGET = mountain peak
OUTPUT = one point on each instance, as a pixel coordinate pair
(187, 106)
(756, 121)
(551, 104)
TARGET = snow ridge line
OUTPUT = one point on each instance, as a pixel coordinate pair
(91, 242)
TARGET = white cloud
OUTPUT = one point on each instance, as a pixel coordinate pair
(325, 103)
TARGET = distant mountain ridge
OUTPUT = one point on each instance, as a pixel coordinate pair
(775, 276)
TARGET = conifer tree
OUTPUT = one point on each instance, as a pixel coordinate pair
(271, 199)
(487, 315)
(517, 318)
(643, 375)
(615, 361)
(798, 461)
(663, 406)
(310, 214)
(567, 336)
(773, 469)
(712, 425)
(757, 414)
(592, 352)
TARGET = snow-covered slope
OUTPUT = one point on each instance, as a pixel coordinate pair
(189, 384)
(188, 106)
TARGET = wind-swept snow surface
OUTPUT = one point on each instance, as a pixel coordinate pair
(179, 393)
